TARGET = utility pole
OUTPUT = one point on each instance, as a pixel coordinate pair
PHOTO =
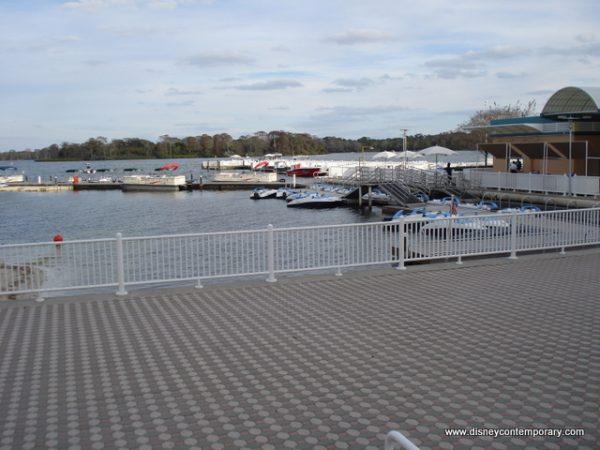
(404, 130)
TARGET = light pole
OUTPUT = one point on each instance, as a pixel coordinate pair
(570, 169)
(361, 160)
(570, 158)
(404, 130)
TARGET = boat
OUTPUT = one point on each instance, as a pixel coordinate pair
(6, 179)
(261, 193)
(284, 193)
(430, 221)
(234, 162)
(168, 167)
(88, 168)
(132, 169)
(152, 183)
(316, 200)
(245, 177)
(300, 171)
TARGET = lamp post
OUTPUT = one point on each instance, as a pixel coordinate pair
(361, 159)
(570, 158)
(404, 130)
(570, 169)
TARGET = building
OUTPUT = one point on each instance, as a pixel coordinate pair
(563, 139)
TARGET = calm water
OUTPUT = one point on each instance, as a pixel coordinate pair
(37, 217)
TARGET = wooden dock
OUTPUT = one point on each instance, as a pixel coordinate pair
(37, 187)
(88, 186)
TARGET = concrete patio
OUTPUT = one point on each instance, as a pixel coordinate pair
(314, 362)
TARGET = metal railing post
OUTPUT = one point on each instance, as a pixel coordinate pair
(120, 266)
(401, 244)
(271, 254)
(513, 236)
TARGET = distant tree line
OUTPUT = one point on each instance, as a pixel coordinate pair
(220, 145)
(466, 137)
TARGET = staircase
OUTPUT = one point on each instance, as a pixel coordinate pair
(400, 193)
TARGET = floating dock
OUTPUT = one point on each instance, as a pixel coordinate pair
(85, 186)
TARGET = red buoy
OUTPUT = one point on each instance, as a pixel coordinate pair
(58, 238)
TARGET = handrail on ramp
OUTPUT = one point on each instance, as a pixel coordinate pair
(397, 441)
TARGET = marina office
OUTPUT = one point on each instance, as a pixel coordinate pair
(564, 138)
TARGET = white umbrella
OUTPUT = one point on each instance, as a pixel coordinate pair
(408, 154)
(437, 150)
(385, 155)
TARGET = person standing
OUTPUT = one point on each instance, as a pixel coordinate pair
(448, 170)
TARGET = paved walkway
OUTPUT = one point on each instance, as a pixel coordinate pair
(313, 362)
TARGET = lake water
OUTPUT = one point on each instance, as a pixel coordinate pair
(38, 216)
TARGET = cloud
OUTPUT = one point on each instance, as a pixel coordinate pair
(510, 76)
(280, 48)
(163, 4)
(336, 90)
(133, 31)
(354, 83)
(471, 64)
(271, 85)
(357, 84)
(181, 104)
(95, 5)
(356, 113)
(586, 50)
(95, 62)
(354, 37)
(217, 60)
(175, 91)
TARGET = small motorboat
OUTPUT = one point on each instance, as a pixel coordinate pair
(132, 169)
(168, 167)
(262, 193)
(284, 193)
(316, 200)
(304, 171)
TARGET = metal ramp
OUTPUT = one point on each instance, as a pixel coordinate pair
(400, 193)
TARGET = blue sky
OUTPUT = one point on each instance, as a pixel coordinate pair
(75, 69)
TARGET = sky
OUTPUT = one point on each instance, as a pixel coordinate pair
(75, 69)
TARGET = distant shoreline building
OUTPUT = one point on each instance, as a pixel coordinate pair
(569, 125)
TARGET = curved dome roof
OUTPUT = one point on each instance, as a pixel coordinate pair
(573, 101)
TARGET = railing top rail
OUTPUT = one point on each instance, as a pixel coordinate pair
(52, 243)
(184, 235)
(263, 230)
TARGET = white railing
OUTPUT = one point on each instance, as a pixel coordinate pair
(533, 182)
(121, 262)
(397, 441)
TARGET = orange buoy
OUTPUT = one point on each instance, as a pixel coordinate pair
(58, 238)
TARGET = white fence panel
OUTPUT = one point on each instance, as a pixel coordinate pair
(557, 184)
(121, 262)
(194, 256)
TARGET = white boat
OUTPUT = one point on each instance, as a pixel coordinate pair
(245, 177)
(234, 162)
(261, 193)
(152, 183)
(284, 193)
(6, 179)
(316, 200)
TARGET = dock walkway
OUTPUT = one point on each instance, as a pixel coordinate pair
(313, 362)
